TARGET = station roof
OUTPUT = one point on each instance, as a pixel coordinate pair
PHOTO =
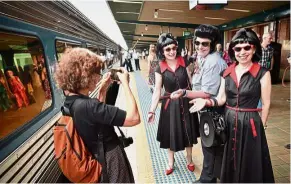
(140, 26)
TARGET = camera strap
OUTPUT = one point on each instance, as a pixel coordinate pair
(121, 132)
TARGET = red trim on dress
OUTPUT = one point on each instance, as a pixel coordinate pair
(254, 131)
(164, 66)
(254, 70)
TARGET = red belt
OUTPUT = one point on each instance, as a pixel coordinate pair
(243, 109)
(167, 96)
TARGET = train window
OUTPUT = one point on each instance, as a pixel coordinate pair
(62, 45)
(93, 48)
(24, 86)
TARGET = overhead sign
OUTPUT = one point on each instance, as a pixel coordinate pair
(212, 1)
(194, 3)
(186, 33)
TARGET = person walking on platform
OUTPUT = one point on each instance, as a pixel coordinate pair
(178, 129)
(77, 74)
(136, 57)
(246, 156)
(128, 62)
(206, 82)
(152, 64)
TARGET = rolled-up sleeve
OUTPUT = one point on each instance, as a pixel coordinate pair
(211, 79)
(104, 114)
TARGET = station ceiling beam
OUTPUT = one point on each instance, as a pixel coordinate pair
(167, 24)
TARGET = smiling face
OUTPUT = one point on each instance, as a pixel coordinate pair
(202, 46)
(170, 51)
(244, 52)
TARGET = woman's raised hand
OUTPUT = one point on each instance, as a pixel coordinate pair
(124, 76)
(105, 82)
(198, 104)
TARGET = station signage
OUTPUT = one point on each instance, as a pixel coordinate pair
(186, 33)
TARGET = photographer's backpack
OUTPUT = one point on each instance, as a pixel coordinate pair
(74, 159)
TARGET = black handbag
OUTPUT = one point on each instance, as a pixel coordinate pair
(212, 128)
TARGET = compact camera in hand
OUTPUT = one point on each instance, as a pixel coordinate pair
(114, 75)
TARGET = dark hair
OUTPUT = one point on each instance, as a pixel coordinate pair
(210, 32)
(246, 35)
(164, 40)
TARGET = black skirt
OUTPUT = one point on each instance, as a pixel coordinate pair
(178, 128)
(118, 166)
(246, 154)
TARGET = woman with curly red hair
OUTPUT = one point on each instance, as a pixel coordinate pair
(77, 74)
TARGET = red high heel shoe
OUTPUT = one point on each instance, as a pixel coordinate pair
(169, 171)
(191, 167)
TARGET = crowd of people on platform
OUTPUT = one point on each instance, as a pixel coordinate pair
(229, 82)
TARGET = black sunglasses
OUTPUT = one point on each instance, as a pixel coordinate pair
(204, 44)
(169, 49)
(246, 48)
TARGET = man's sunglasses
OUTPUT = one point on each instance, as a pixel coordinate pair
(204, 44)
(169, 49)
(246, 48)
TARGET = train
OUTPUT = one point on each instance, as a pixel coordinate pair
(33, 36)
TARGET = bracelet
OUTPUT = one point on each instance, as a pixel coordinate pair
(184, 93)
(215, 101)
(151, 113)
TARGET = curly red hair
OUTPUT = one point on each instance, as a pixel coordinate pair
(76, 68)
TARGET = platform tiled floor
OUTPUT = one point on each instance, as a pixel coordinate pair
(148, 161)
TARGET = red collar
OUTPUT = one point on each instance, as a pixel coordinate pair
(254, 70)
(164, 66)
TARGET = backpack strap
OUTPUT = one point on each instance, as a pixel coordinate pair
(98, 148)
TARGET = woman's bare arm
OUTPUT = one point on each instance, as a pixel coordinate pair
(266, 96)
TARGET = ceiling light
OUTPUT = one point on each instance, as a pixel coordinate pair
(171, 10)
(141, 33)
(232, 9)
(120, 22)
(214, 18)
(146, 27)
(156, 14)
(133, 2)
(128, 13)
(165, 18)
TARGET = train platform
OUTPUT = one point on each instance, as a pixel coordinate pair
(149, 162)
